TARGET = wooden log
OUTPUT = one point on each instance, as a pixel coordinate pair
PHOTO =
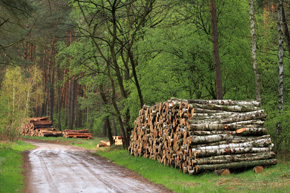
(35, 119)
(192, 125)
(252, 131)
(236, 165)
(251, 143)
(233, 158)
(107, 143)
(224, 102)
(195, 139)
(258, 169)
(222, 172)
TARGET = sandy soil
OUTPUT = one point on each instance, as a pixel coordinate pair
(55, 168)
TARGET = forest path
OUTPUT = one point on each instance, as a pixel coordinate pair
(52, 168)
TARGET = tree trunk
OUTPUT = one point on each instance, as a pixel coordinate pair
(133, 64)
(71, 104)
(105, 127)
(114, 127)
(219, 89)
(280, 65)
(254, 47)
(109, 130)
(286, 31)
(44, 104)
(119, 116)
(68, 110)
(59, 99)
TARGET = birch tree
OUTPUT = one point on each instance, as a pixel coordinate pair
(218, 76)
(280, 65)
(254, 47)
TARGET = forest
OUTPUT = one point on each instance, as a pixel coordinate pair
(93, 64)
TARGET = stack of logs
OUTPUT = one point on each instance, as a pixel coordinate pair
(203, 135)
(77, 134)
(41, 127)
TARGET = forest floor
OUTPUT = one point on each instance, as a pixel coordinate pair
(61, 168)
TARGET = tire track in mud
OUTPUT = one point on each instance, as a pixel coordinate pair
(98, 176)
(48, 176)
(59, 168)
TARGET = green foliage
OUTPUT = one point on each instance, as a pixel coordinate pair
(11, 171)
(16, 94)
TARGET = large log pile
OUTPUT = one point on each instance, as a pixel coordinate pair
(77, 134)
(203, 135)
(41, 127)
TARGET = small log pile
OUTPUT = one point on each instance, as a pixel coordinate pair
(40, 127)
(203, 135)
(77, 134)
(118, 140)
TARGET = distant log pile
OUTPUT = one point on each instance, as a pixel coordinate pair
(40, 127)
(77, 134)
(203, 135)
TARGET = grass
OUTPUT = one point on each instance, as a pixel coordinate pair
(85, 143)
(273, 179)
(11, 177)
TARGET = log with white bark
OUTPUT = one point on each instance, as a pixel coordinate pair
(225, 102)
(195, 139)
(192, 125)
(251, 131)
(236, 165)
(233, 158)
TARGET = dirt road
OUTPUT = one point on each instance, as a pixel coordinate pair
(54, 168)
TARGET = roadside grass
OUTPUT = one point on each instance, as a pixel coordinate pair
(11, 177)
(85, 143)
(273, 179)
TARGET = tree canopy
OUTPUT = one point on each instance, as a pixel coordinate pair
(94, 63)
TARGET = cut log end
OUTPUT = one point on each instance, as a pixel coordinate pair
(222, 172)
(258, 169)
(240, 130)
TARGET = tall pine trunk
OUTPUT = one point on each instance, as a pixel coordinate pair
(286, 31)
(254, 47)
(218, 77)
(280, 65)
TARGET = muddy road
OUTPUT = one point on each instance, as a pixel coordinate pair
(54, 168)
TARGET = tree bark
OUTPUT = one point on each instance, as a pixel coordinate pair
(252, 131)
(254, 47)
(105, 127)
(280, 65)
(209, 138)
(133, 64)
(119, 116)
(234, 158)
(236, 165)
(114, 127)
(286, 31)
(218, 126)
(109, 130)
(219, 89)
